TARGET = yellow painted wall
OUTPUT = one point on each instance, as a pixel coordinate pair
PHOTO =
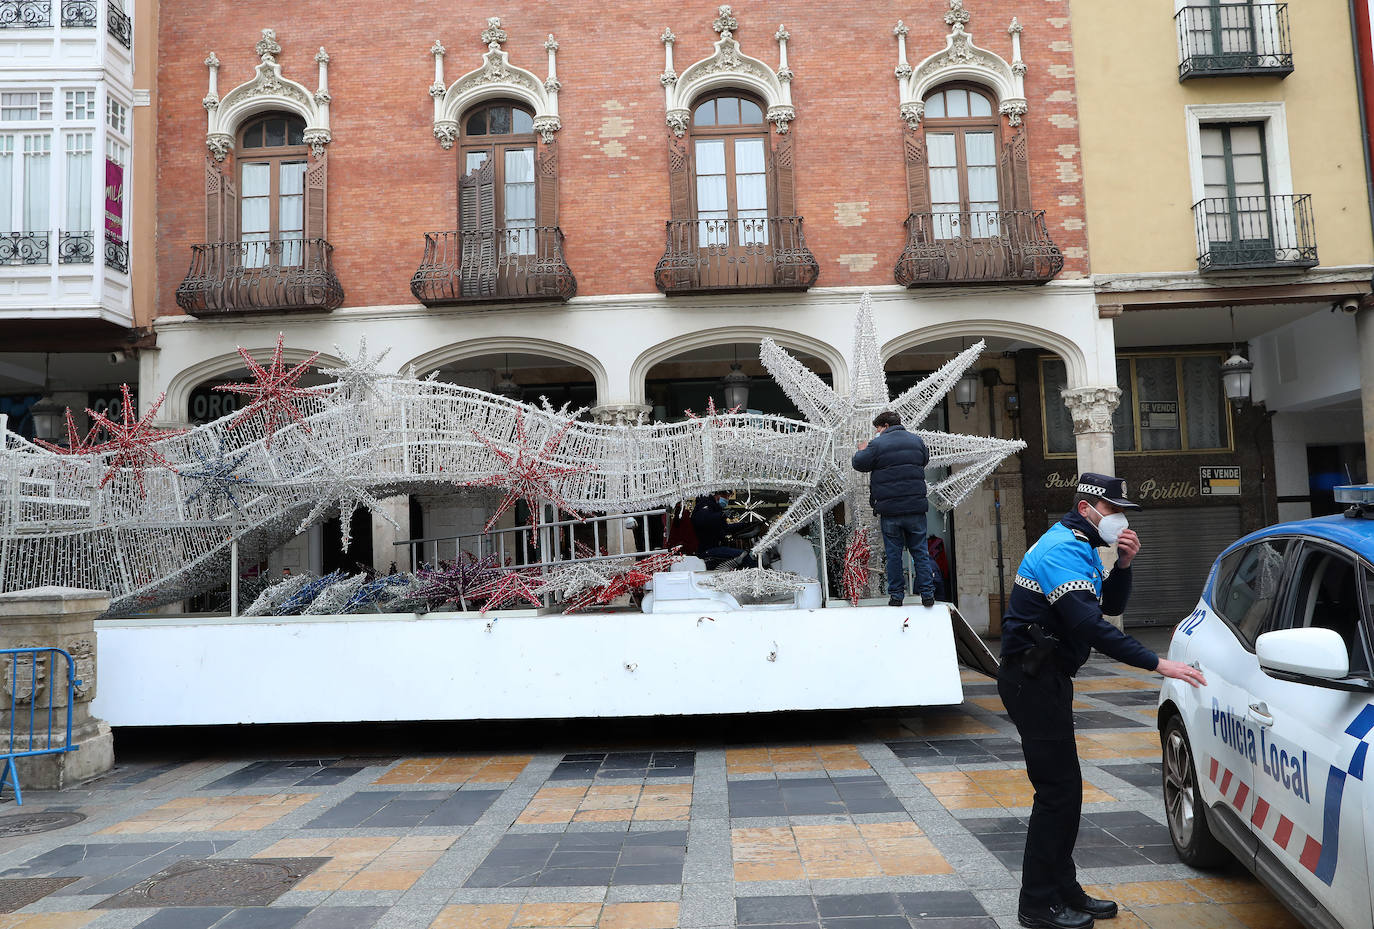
(1135, 147)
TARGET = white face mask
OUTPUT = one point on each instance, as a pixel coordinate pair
(1111, 527)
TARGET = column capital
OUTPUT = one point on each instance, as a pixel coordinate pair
(1091, 407)
(621, 414)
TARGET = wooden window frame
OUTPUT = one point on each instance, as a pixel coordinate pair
(960, 125)
(1131, 357)
(759, 130)
(274, 157)
(494, 146)
(1233, 210)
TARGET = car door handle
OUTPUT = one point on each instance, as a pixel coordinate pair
(1259, 712)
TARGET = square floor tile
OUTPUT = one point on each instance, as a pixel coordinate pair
(393, 809)
(575, 860)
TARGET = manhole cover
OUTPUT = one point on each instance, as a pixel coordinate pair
(31, 823)
(217, 882)
(21, 891)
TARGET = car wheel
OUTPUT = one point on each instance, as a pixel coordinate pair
(1193, 839)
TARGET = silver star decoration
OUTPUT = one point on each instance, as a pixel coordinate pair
(358, 376)
(849, 419)
(342, 481)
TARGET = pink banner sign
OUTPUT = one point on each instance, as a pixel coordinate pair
(114, 200)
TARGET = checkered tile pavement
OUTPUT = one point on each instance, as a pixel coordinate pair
(894, 820)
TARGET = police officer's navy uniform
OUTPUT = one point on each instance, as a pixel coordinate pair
(1054, 619)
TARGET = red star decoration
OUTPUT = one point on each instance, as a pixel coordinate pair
(529, 475)
(274, 391)
(131, 441)
(855, 576)
(631, 579)
(509, 587)
(75, 444)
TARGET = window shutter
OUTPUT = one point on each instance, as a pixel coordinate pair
(214, 205)
(1014, 173)
(917, 171)
(316, 197)
(679, 179)
(477, 230)
(229, 207)
(546, 186)
(783, 178)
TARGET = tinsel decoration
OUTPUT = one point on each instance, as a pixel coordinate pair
(302, 598)
(270, 600)
(76, 445)
(218, 475)
(457, 580)
(336, 596)
(530, 473)
(130, 441)
(856, 570)
(358, 378)
(508, 587)
(756, 584)
(624, 579)
(345, 489)
(378, 592)
(274, 390)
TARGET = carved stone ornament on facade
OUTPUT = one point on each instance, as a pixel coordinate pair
(960, 60)
(495, 79)
(1091, 407)
(267, 90)
(727, 67)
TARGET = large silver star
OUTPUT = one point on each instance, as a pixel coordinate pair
(358, 376)
(341, 481)
(849, 418)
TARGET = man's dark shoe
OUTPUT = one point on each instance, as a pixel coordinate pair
(927, 599)
(894, 601)
(1097, 909)
(1058, 916)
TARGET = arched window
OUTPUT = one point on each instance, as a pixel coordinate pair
(497, 194)
(962, 144)
(272, 165)
(730, 170)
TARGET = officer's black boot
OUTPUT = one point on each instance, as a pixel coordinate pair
(1055, 916)
(1097, 909)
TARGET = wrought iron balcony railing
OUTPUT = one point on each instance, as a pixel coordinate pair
(262, 276)
(25, 14)
(493, 264)
(117, 255)
(978, 247)
(75, 248)
(79, 14)
(761, 253)
(1255, 232)
(1216, 40)
(120, 26)
(24, 248)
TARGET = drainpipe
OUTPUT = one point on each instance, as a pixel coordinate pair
(1364, 71)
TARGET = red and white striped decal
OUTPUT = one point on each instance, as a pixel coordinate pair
(1276, 826)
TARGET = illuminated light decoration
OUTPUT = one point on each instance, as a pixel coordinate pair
(302, 598)
(335, 597)
(756, 583)
(624, 579)
(458, 580)
(508, 587)
(856, 571)
(218, 475)
(417, 436)
(76, 445)
(358, 377)
(274, 391)
(530, 474)
(345, 489)
(378, 592)
(130, 442)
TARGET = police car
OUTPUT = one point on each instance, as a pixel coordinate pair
(1269, 762)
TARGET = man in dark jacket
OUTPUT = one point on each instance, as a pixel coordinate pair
(897, 491)
(713, 533)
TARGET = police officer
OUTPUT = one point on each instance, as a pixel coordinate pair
(1053, 621)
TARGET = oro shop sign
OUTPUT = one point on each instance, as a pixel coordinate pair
(208, 405)
(1149, 489)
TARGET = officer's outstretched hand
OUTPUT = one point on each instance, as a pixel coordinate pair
(1127, 546)
(1180, 671)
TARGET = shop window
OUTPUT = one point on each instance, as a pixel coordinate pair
(1169, 403)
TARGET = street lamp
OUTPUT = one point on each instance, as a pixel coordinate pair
(49, 416)
(1235, 378)
(507, 387)
(736, 386)
(966, 392)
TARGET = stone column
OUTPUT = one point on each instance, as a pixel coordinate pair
(63, 617)
(1364, 328)
(384, 534)
(1091, 409)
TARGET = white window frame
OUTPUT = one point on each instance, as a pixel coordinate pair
(1275, 120)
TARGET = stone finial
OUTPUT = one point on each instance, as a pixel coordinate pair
(493, 35)
(957, 13)
(725, 23)
(437, 49)
(901, 29)
(551, 44)
(267, 48)
(212, 61)
(667, 38)
(322, 57)
(1015, 27)
(782, 35)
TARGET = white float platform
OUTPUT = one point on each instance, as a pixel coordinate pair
(171, 671)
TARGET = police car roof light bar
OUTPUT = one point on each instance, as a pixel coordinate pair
(1360, 498)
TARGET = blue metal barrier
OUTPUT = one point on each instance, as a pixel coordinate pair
(33, 667)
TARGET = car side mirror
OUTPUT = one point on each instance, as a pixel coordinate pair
(1307, 656)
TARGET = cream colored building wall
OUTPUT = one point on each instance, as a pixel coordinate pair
(1135, 149)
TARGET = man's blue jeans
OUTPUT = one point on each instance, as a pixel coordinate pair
(907, 532)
